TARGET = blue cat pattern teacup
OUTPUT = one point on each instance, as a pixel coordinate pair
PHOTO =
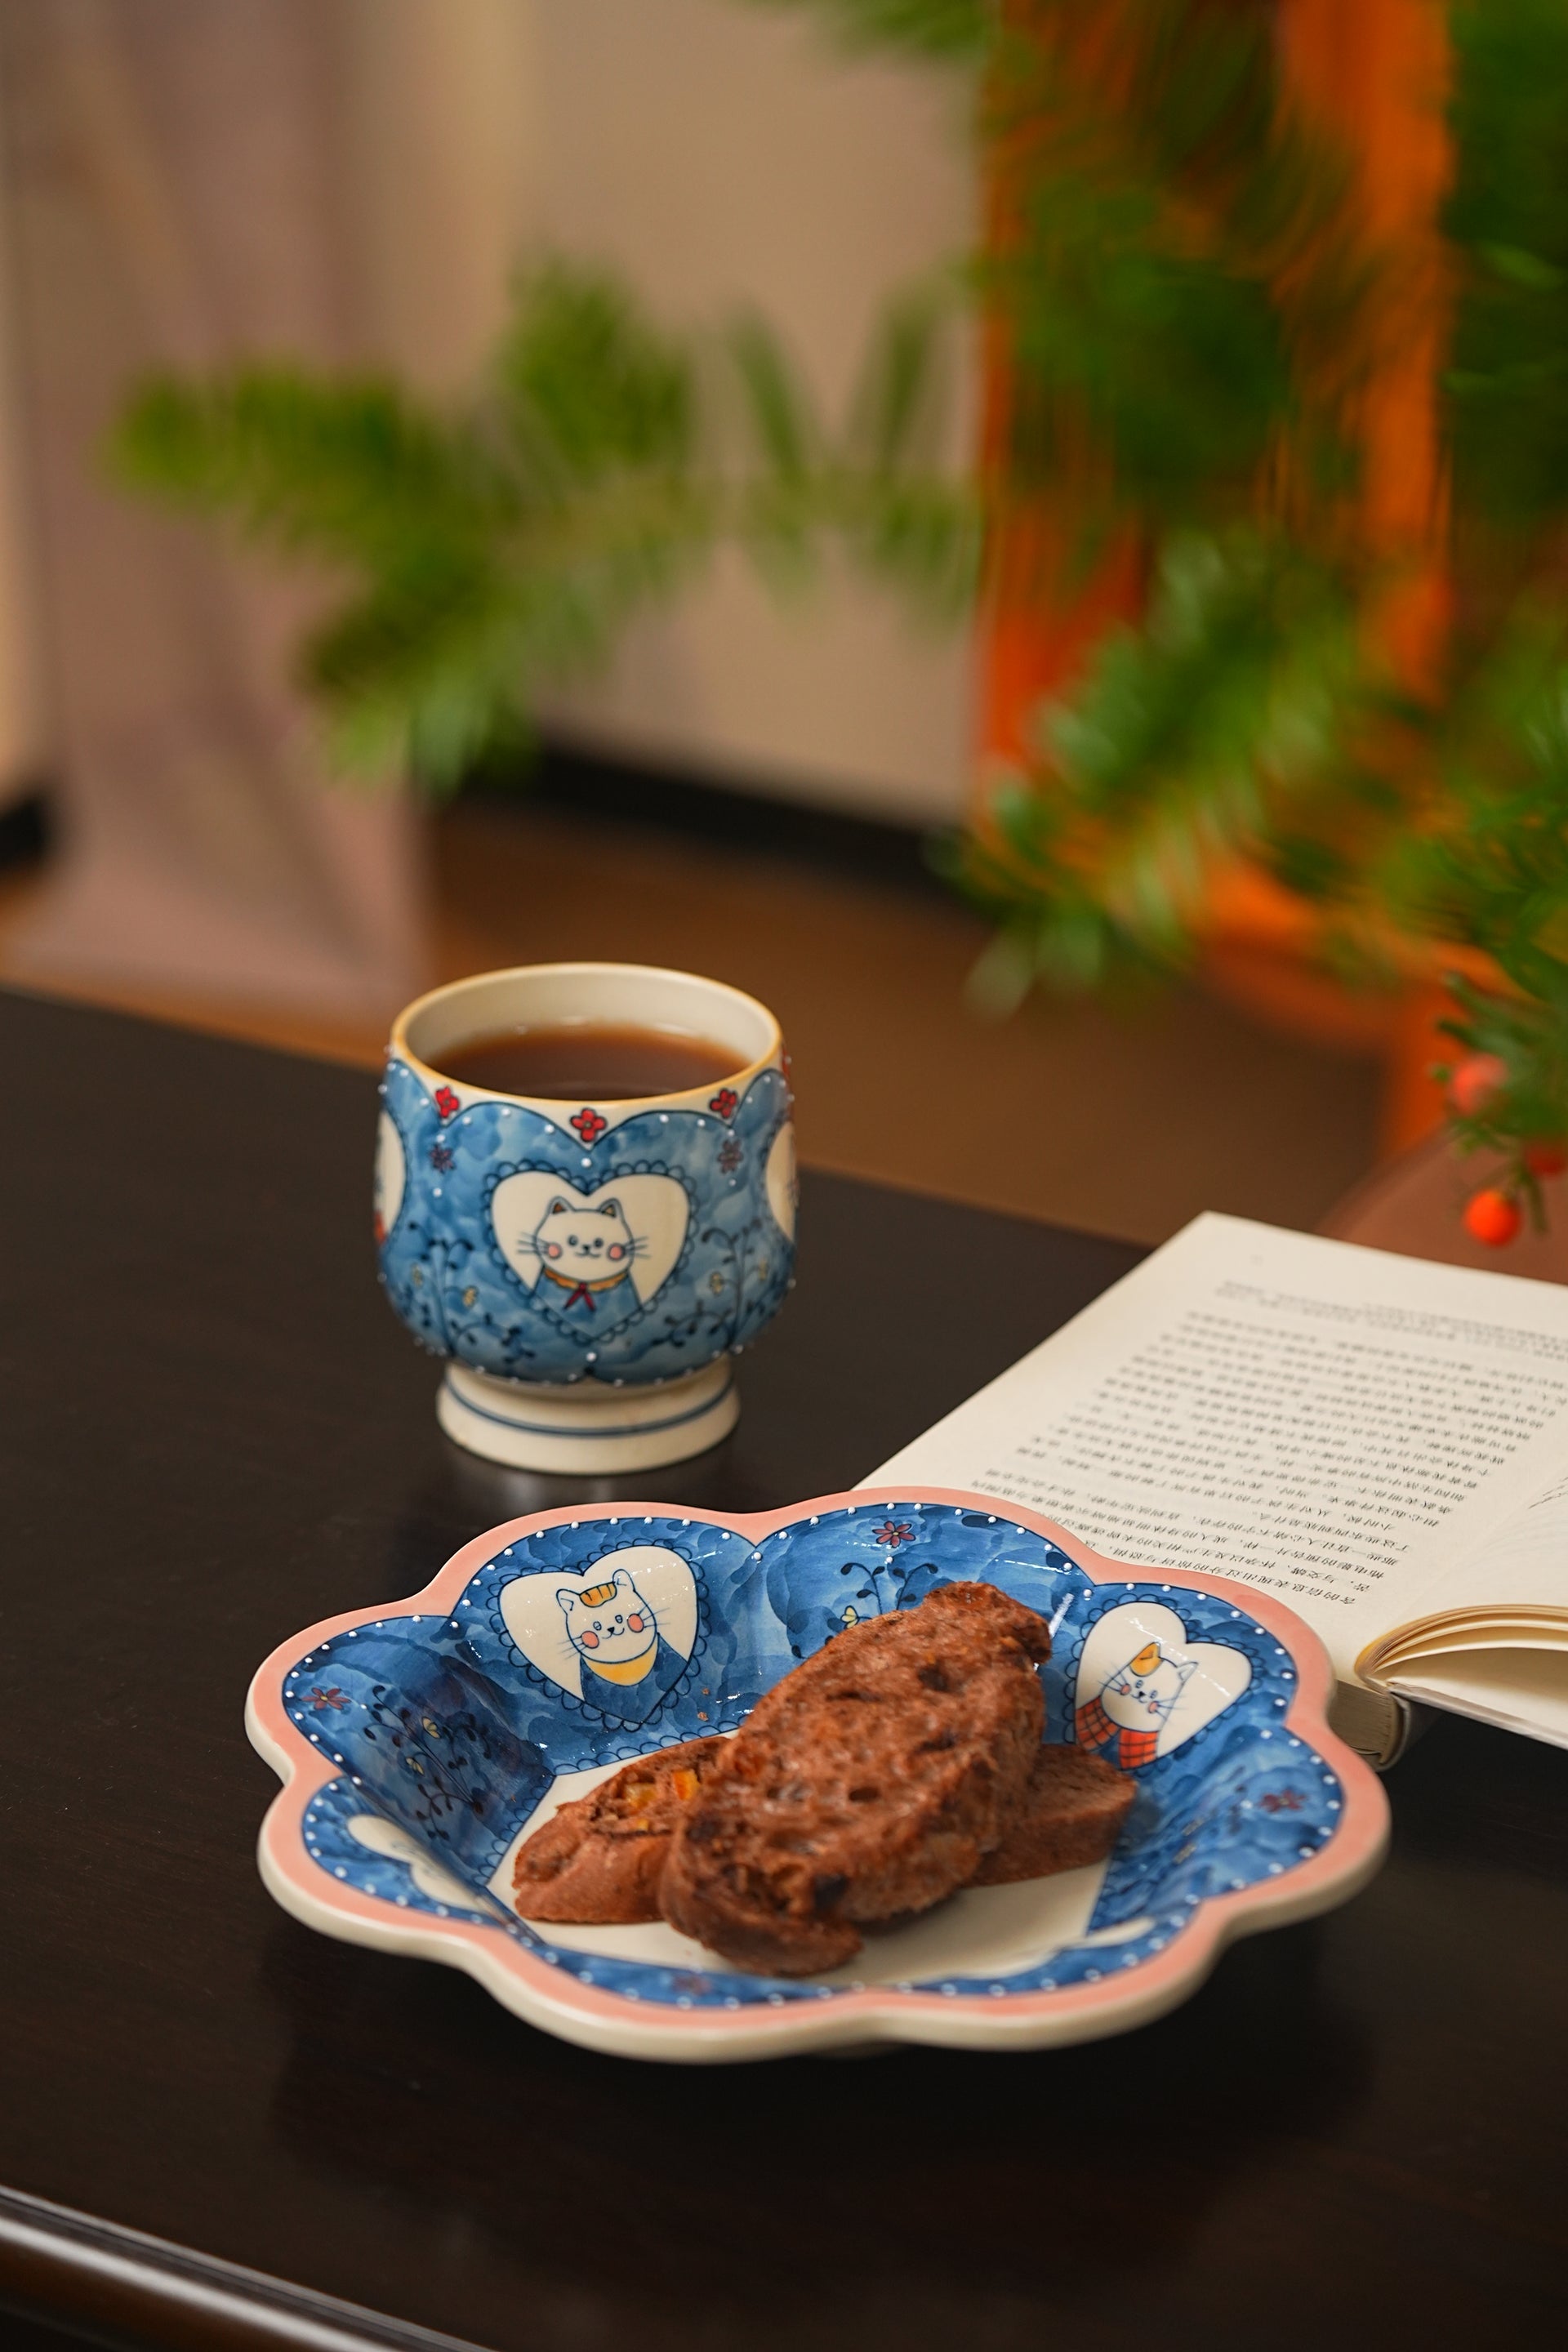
(566, 1259)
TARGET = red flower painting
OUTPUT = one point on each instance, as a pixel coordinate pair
(724, 1101)
(446, 1102)
(589, 1125)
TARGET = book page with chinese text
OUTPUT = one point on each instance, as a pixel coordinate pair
(1346, 1428)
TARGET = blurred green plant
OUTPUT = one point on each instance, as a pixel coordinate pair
(1193, 312)
(491, 549)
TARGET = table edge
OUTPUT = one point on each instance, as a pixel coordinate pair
(56, 2263)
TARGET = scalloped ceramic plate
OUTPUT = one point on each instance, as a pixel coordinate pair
(418, 1744)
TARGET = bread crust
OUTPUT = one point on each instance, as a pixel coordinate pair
(867, 1784)
(597, 1862)
(1070, 1814)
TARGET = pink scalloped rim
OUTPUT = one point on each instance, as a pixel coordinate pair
(604, 2021)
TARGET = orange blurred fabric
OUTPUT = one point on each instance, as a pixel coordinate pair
(1043, 613)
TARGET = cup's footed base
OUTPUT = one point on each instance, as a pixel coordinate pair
(588, 1428)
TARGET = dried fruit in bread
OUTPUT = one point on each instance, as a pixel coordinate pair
(597, 1862)
(867, 1784)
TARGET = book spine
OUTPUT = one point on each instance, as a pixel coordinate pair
(1375, 1723)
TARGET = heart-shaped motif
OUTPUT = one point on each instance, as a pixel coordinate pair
(781, 1183)
(1143, 1688)
(616, 1634)
(391, 1173)
(595, 1258)
(671, 1237)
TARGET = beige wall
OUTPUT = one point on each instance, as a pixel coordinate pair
(726, 154)
(440, 121)
(721, 154)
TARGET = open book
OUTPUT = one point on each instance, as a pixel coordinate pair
(1380, 1442)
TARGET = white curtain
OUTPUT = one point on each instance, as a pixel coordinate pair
(187, 182)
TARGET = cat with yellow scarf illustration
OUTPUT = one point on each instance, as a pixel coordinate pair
(615, 1635)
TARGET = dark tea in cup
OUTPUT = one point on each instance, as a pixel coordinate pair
(589, 1061)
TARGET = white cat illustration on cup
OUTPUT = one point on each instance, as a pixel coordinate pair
(585, 1253)
(593, 1259)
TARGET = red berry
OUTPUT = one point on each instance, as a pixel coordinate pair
(1476, 1081)
(1546, 1158)
(1491, 1217)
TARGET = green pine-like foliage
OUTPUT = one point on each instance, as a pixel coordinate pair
(487, 551)
(1193, 308)
(944, 29)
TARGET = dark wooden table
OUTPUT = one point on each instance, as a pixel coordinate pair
(212, 1432)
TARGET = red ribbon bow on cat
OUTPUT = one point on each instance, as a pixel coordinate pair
(582, 1290)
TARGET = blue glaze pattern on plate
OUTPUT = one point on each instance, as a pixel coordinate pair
(831, 1570)
(388, 1870)
(449, 1277)
(451, 1730)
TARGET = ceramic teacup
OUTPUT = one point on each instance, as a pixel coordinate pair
(686, 1202)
